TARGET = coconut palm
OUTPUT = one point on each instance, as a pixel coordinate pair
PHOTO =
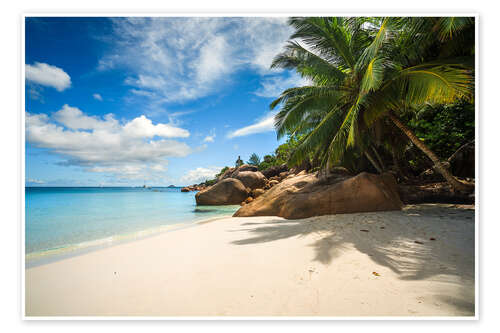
(254, 159)
(364, 71)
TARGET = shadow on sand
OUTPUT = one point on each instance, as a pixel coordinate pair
(399, 240)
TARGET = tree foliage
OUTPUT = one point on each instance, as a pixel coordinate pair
(364, 70)
(254, 159)
(445, 128)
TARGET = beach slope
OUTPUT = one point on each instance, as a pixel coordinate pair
(365, 264)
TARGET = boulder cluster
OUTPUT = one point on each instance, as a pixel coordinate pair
(292, 194)
(195, 187)
(306, 195)
(239, 185)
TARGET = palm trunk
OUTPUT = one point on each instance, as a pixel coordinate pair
(455, 183)
(373, 162)
(379, 159)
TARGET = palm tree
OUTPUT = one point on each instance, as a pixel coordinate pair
(254, 159)
(364, 71)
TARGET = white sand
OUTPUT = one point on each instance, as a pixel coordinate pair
(268, 266)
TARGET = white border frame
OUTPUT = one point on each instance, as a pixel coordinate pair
(268, 13)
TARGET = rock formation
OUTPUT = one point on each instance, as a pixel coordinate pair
(229, 191)
(307, 195)
(250, 179)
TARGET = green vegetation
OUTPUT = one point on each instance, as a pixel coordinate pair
(385, 93)
(444, 128)
(370, 79)
(254, 159)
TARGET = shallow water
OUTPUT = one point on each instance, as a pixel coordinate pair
(69, 218)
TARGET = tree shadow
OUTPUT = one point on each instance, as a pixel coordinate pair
(399, 240)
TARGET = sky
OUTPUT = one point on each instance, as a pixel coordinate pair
(157, 101)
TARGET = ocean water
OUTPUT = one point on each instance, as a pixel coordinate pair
(65, 220)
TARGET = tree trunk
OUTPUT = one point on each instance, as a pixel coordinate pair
(455, 183)
(381, 162)
(373, 162)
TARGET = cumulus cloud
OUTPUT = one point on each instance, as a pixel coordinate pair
(47, 75)
(199, 175)
(97, 97)
(266, 124)
(178, 59)
(137, 149)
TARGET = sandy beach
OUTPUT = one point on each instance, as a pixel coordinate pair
(365, 264)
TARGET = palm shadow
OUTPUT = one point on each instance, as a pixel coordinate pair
(399, 240)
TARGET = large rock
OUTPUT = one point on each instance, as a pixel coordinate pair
(232, 172)
(274, 170)
(248, 167)
(251, 179)
(257, 192)
(307, 195)
(226, 174)
(440, 192)
(229, 191)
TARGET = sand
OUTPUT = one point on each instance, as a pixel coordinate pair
(269, 266)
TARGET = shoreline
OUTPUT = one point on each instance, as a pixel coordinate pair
(38, 258)
(270, 266)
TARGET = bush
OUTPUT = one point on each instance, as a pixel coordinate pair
(445, 128)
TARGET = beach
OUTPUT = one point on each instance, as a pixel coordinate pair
(414, 262)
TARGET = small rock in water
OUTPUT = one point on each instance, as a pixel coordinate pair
(364, 230)
(419, 242)
(432, 238)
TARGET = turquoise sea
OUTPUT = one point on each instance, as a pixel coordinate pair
(62, 221)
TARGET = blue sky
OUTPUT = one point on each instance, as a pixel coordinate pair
(123, 101)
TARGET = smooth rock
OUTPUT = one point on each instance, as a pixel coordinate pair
(307, 195)
(229, 191)
(257, 192)
(251, 179)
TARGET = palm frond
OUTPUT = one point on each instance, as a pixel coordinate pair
(293, 113)
(307, 64)
(319, 137)
(325, 35)
(448, 27)
(303, 91)
(373, 75)
(435, 84)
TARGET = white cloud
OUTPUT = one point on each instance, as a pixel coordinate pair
(200, 174)
(47, 75)
(211, 137)
(274, 86)
(143, 127)
(74, 118)
(266, 124)
(178, 59)
(137, 149)
(97, 97)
